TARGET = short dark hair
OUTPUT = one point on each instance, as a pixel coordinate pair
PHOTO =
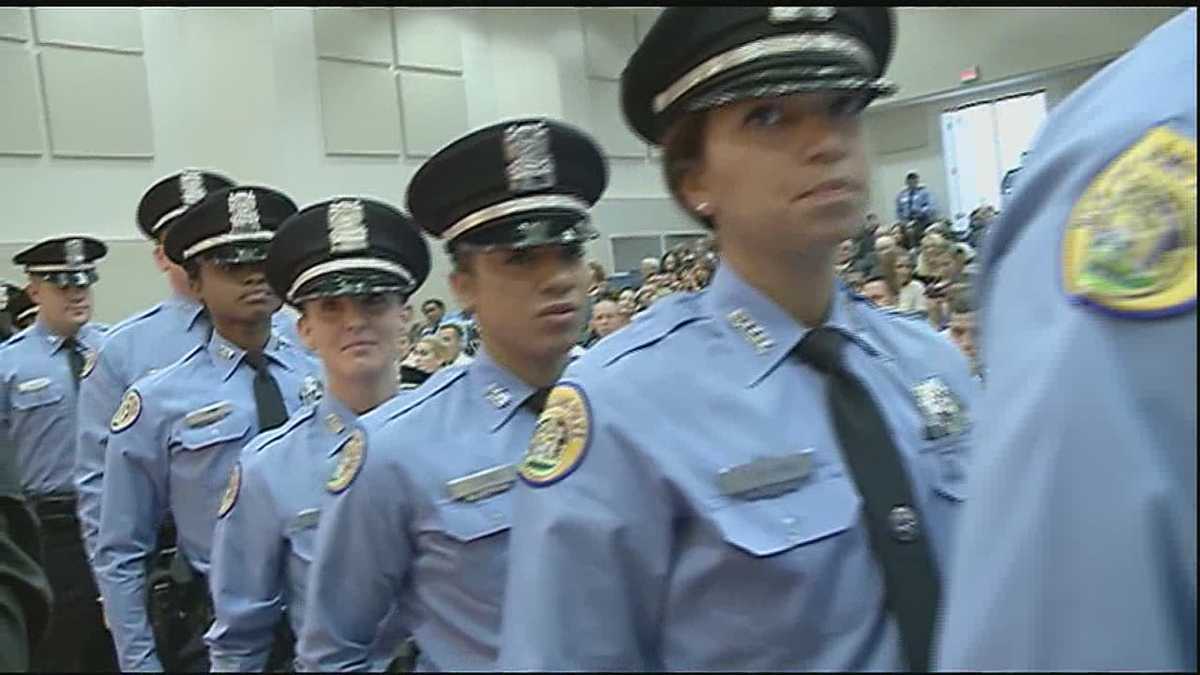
(683, 150)
(454, 327)
(911, 175)
(875, 277)
(434, 301)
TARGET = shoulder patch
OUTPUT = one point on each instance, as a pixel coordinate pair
(232, 489)
(350, 461)
(89, 363)
(1130, 245)
(127, 413)
(560, 440)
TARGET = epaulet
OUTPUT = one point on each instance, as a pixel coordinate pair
(130, 320)
(665, 317)
(147, 380)
(436, 384)
(102, 327)
(268, 437)
(14, 339)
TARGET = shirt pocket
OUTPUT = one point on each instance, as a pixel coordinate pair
(198, 457)
(26, 401)
(302, 534)
(467, 522)
(768, 527)
(945, 461)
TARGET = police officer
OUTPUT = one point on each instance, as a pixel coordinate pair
(24, 590)
(19, 311)
(1078, 548)
(177, 433)
(40, 370)
(145, 342)
(427, 516)
(349, 264)
(788, 506)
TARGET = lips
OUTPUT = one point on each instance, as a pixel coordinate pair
(356, 345)
(559, 309)
(832, 185)
(257, 295)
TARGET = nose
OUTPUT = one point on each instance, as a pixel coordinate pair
(823, 138)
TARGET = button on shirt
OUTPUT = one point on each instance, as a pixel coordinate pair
(38, 400)
(264, 546)
(138, 346)
(440, 559)
(638, 560)
(177, 453)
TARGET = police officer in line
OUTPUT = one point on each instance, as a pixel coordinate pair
(25, 595)
(427, 515)
(145, 342)
(177, 433)
(1077, 550)
(40, 370)
(17, 310)
(349, 265)
(790, 507)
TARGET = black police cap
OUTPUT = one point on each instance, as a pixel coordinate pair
(16, 303)
(346, 246)
(696, 58)
(232, 225)
(518, 183)
(68, 260)
(167, 199)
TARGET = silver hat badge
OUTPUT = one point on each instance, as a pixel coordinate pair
(74, 251)
(347, 231)
(243, 212)
(191, 186)
(529, 161)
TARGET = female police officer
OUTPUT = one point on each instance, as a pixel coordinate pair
(788, 507)
(349, 265)
(425, 522)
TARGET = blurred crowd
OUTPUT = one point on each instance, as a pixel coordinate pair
(925, 270)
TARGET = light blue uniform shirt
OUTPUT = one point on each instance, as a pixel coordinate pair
(636, 560)
(264, 546)
(196, 416)
(135, 347)
(915, 204)
(1078, 549)
(396, 535)
(38, 401)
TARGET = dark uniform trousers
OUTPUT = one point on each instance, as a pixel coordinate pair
(77, 639)
(181, 611)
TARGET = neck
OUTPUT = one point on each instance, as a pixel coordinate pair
(364, 393)
(800, 284)
(65, 330)
(250, 336)
(536, 372)
(181, 288)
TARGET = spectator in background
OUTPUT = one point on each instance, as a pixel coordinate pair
(876, 290)
(870, 266)
(598, 285)
(434, 310)
(406, 315)
(627, 302)
(606, 320)
(670, 265)
(428, 355)
(981, 219)
(453, 335)
(961, 330)
(915, 203)
(845, 257)
(404, 345)
(864, 242)
(931, 256)
(899, 232)
(700, 275)
(646, 295)
(910, 293)
(649, 269)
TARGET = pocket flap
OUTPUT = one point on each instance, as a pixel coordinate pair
(810, 514)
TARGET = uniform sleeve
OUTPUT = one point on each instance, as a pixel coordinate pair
(134, 494)
(589, 561)
(349, 594)
(1081, 513)
(99, 396)
(247, 576)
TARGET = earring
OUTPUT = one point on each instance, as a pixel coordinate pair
(702, 208)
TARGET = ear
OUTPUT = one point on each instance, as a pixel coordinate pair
(305, 330)
(465, 286)
(34, 289)
(693, 188)
(196, 283)
(161, 261)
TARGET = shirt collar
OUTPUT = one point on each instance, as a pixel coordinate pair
(500, 392)
(43, 332)
(189, 308)
(763, 333)
(227, 355)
